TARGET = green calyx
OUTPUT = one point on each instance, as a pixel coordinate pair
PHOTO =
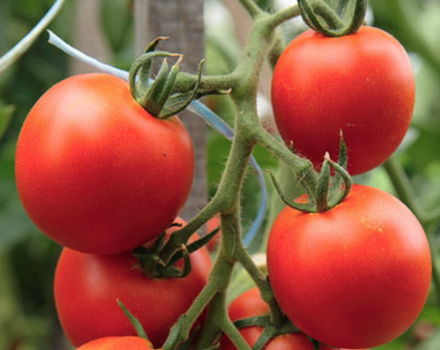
(158, 97)
(156, 263)
(328, 191)
(333, 17)
(269, 330)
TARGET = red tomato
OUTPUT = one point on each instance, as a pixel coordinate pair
(354, 276)
(251, 304)
(248, 304)
(361, 84)
(95, 171)
(117, 343)
(87, 286)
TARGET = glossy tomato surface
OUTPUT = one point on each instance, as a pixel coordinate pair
(95, 171)
(251, 304)
(87, 286)
(361, 84)
(117, 343)
(355, 276)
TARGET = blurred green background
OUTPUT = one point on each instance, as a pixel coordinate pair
(27, 258)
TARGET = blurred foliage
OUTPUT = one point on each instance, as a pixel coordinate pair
(27, 258)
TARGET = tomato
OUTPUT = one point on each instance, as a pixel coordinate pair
(95, 171)
(354, 276)
(117, 343)
(87, 286)
(361, 84)
(248, 304)
(251, 304)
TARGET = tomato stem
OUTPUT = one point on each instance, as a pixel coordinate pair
(343, 18)
(262, 283)
(280, 17)
(253, 9)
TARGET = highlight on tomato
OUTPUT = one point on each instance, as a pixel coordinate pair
(87, 287)
(95, 171)
(361, 84)
(117, 343)
(355, 276)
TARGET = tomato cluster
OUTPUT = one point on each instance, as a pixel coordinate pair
(100, 175)
(358, 274)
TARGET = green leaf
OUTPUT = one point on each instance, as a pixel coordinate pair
(6, 113)
(117, 22)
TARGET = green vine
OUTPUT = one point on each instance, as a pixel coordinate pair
(226, 201)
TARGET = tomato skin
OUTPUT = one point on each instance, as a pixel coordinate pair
(95, 171)
(355, 276)
(291, 341)
(361, 84)
(87, 286)
(248, 304)
(117, 343)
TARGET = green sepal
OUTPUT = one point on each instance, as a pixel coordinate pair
(178, 102)
(334, 17)
(140, 83)
(343, 153)
(322, 189)
(194, 245)
(145, 70)
(260, 321)
(307, 207)
(137, 325)
(171, 271)
(340, 194)
(267, 334)
(160, 90)
(153, 265)
(157, 96)
(342, 160)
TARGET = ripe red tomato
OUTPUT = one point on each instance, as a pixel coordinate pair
(95, 171)
(87, 286)
(354, 276)
(361, 84)
(117, 343)
(251, 304)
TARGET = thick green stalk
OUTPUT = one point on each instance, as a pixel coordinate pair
(228, 200)
(251, 7)
(247, 131)
(261, 281)
(301, 167)
(219, 277)
(217, 319)
(279, 17)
